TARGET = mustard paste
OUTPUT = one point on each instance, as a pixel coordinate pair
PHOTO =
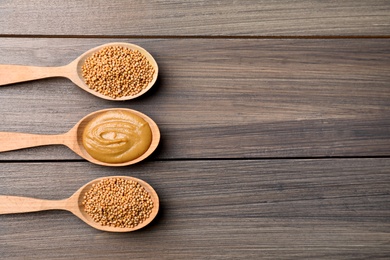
(117, 137)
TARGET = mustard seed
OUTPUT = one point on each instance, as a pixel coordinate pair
(118, 202)
(117, 71)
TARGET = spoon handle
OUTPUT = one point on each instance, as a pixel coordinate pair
(15, 73)
(14, 204)
(13, 141)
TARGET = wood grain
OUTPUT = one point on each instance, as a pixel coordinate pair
(218, 98)
(245, 89)
(246, 209)
(195, 18)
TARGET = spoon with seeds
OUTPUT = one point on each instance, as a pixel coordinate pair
(74, 204)
(117, 73)
(74, 138)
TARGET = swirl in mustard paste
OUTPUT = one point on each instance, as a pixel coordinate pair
(117, 137)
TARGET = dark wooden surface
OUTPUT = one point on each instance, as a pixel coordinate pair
(195, 18)
(275, 123)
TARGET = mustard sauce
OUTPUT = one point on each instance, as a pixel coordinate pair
(117, 137)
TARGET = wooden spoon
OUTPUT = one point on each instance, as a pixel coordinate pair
(15, 73)
(14, 204)
(73, 138)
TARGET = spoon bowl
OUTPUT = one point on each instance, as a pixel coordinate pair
(74, 138)
(14, 204)
(10, 74)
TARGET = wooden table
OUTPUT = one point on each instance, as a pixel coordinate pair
(275, 124)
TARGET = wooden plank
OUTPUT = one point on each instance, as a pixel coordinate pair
(247, 209)
(218, 98)
(195, 18)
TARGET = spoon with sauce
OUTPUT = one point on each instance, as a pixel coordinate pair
(74, 138)
(16, 73)
(15, 204)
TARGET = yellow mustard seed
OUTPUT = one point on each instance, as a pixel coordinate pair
(118, 202)
(117, 71)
